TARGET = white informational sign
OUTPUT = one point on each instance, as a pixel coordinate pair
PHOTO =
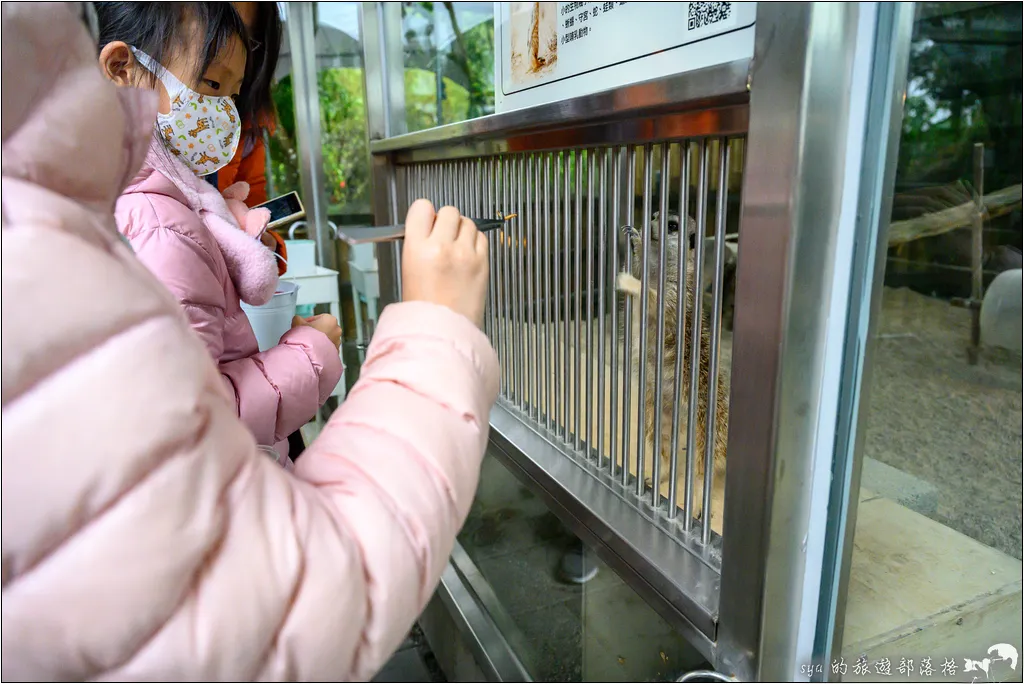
(552, 51)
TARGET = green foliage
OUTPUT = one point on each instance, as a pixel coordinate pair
(421, 100)
(468, 92)
(468, 62)
(965, 88)
(343, 127)
(343, 141)
(284, 162)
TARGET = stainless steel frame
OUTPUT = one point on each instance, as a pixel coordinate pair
(748, 600)
(804, 160)
(472, 605)
(884, 121)
(380, 25)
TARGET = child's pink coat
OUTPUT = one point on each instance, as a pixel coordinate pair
(144, 536)
(182, 230)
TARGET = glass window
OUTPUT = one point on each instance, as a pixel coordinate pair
(935, 586)
(562, 630)
(449, 62)
(282, 153)
(339, 60)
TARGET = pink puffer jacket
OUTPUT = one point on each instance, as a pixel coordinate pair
(144, 536)
(206, 262)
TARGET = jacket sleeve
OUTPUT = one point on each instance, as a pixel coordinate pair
(319, 574)
(276, 391)
(154, 542)
(279, 390)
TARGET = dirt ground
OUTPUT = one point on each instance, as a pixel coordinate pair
(954, 425)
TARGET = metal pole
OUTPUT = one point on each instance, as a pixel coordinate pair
(301, 36)
(977, 250)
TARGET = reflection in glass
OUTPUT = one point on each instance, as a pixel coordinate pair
(600, 631)
(938, 541)
(449, 62)
(339, 61)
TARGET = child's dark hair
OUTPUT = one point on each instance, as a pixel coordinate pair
(255, 103)
(156, 28)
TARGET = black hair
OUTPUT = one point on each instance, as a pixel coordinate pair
(156, 28)
(255, 103)
(89, 19)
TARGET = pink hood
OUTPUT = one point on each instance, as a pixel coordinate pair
(144, 536)
(251, 266)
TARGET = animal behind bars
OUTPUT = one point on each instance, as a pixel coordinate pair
(631, 284)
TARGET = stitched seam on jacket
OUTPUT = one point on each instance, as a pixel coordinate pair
(258, 362)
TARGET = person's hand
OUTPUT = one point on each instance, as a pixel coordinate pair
(325, 323)
(444, 260)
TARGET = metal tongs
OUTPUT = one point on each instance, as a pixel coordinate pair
(359, 235)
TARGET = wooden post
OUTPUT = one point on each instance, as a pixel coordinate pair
(977, 251)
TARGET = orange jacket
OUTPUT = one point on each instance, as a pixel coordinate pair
(250, 165)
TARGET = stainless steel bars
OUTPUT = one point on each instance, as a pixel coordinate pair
(520, 277)
(537, 303)
(617, 168)
(645, 285)
(589, 346)
(602, 279)
(660, 347)
(530, 338)
(716, 324)
(627, 383)
(682, 260)
(566, 297)
(696, 322)
(551, 348)
(507, 285)
(577, 249)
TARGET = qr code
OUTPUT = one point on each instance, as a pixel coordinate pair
(706, 13)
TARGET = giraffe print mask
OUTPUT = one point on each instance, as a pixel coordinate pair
(201, 130)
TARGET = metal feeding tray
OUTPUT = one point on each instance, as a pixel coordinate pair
(359, 235)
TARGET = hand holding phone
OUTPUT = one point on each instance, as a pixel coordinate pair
(283, 210)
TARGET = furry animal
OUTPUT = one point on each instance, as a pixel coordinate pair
(631, 284)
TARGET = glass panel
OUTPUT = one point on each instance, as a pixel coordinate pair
(935, 588)
(339, 60)
(341, 88)
(449, 62)
(563, 631)
(282, 155)
(343, 150)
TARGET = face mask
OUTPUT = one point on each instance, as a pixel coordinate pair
(200, 130)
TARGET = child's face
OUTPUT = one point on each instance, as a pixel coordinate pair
(223, 78)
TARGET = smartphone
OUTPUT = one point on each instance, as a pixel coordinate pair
(283, 209)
